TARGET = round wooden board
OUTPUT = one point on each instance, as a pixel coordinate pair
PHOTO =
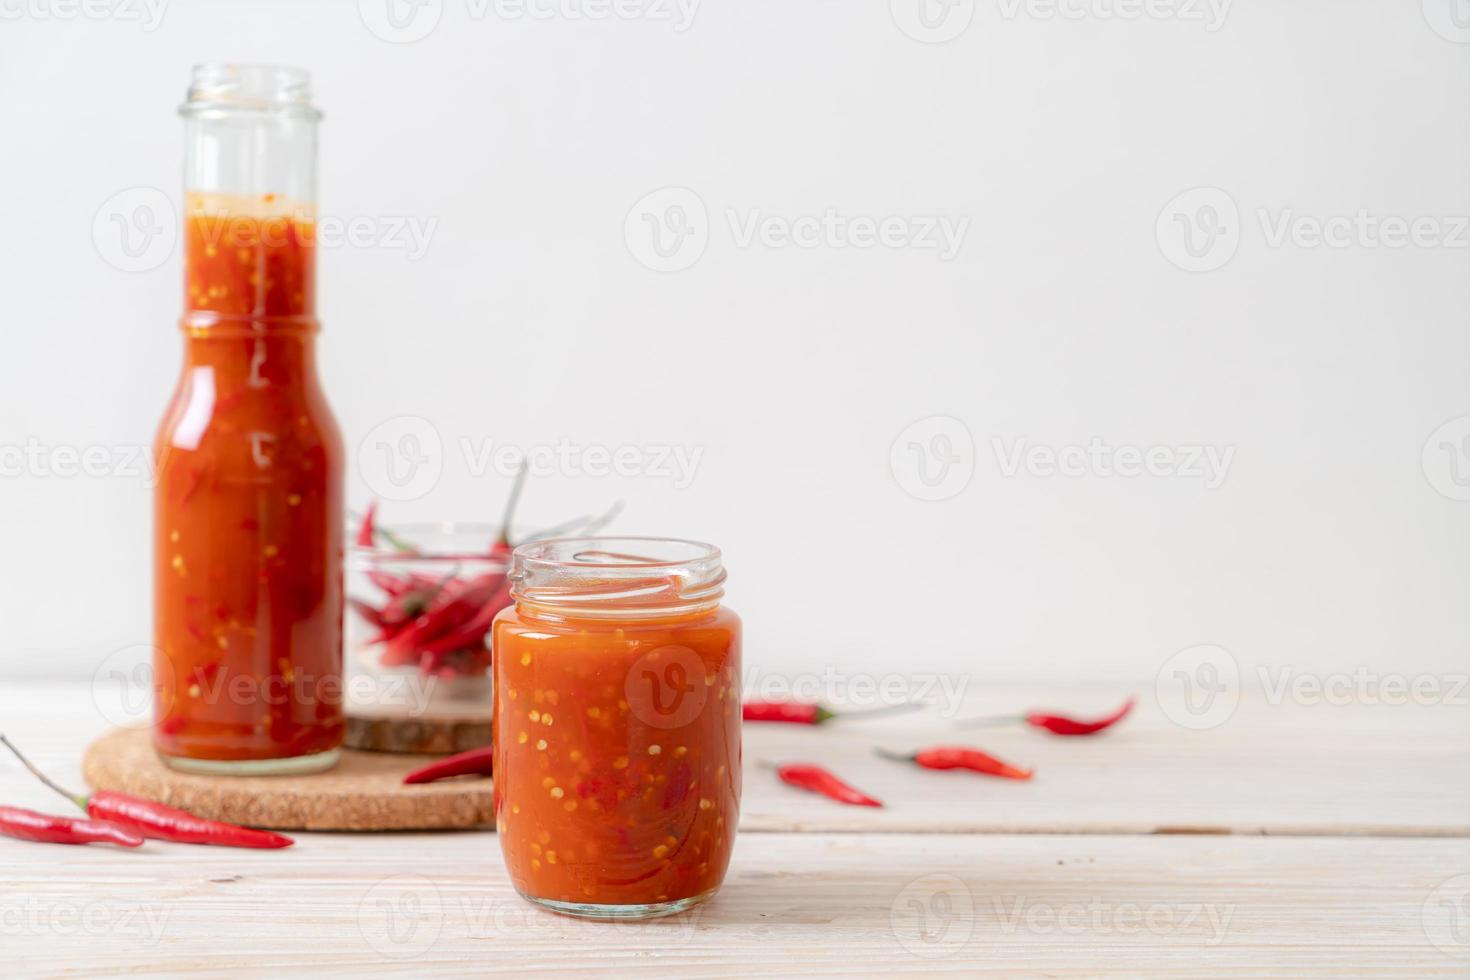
(421, 735)
(364, 792)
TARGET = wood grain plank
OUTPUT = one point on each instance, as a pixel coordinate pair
(1378, 770)
(794, 904)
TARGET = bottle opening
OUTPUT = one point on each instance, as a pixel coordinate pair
(273, 88)
(617, 577)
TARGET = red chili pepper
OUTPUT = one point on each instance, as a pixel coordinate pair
(365, 530)
(390, 584)
(475, 762)
(806, 713)
(472, 630)
(158, 820)
(819, 780)
(368, 612)
(959, 757)
(49, 829)
(462, 601)
(1062, 725)
(1056, 724)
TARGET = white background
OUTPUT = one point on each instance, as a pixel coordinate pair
(1064, 316)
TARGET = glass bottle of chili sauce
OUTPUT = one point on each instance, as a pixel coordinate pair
(248, 509)
(617, 725)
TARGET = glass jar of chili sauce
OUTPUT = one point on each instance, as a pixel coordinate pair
(248, 508)
(617, 725)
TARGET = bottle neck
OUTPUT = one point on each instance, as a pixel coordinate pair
(250, 137)
(243, 263)
(248, 357)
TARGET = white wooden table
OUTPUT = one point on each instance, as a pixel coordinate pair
(1312, 840)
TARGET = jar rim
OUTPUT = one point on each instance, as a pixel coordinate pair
(219, 86)
(622, 576)
(543, 553)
